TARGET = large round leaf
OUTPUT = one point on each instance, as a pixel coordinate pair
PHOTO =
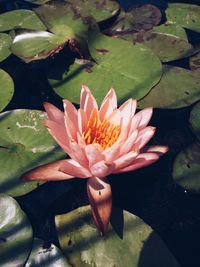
(20, 19)
(195, 120)
(177, 88)
(195, 62)
(5, 41)
(15, 233)
(24, 143)
(6, 89)
(33, 45)
(48, 257)
(186, 168)
(85, 247)
(185, 15)
(169, 29)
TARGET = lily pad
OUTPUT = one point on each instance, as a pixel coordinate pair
(195, 120)
(166, 46)
(5, 41)
(24, 144)
(101, 10)
(186, 168)
(6, 89)
(177, 88)
(131, 69)
(185, 15)
(174, 30)
(84, 246)
(38, 2)
(34, 45)
(46, 256)
(15, 233)
(20, 19)
(195, 62)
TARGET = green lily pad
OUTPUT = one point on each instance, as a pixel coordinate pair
(15, 233)
(131, 70)
(101, 10)
(6, 89)
(186, 168)
(84, 246)
(20, 19)
(177, 88)
(38, 2)
(195, 62)
(174, 30)
(24, 144)
(48, 257)
(185, 15)
(33, 45)
(166, 46)
(5, 41)
(195, 120)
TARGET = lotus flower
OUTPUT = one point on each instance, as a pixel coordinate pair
(99, 141)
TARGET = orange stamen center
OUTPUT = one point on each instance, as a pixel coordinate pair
(103, 133)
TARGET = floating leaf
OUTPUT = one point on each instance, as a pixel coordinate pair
(185, 15)
(38, 2)
(174, 30)
(6, 89)
(177, 88)
(186, 168)
(48, 257)
(195, 62)
(15, 233)
(20, 19)
(131, 70)
(84, 246)
(34, 45)
(24, 143)
(195, 120)
(5, 41)
(101, 10)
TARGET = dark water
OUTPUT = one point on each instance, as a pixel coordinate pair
(149, 193)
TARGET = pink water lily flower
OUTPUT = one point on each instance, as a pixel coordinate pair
(99, 141)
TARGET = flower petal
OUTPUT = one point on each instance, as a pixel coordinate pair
(142, 160)
(59, 134)
(82, 120)
(143, 137)
(146, 116)
(125, 160)
(87, 101)
(72, 167)
(111, 95)
(93, 154)
(54, 114)
(70, 128)
(71, 112)
(128, 144)
(115, 117)
(100, 197)
(78, 154)
(112, 152)
(47, 172)
(101, 169)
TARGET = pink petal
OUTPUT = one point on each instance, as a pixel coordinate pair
(128, 144)
(134, 123)
(115, 117)
(78, 154)
(125, 160)
(93, 154)
(100, 197)
(59, 134)
(143, 137)
(73, 168)
(87, 102)
(47, 172)
(105, 110)
(70, 128)
(146, 116)
(54, 114)
(71, 112)
(111, 95)
(141, 161)
(127, 109)
(160, 150)
(82, 120)
(101, 169)
(112, 152)
(80, 140)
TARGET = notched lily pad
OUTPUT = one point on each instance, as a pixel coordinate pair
(15, 233)
(177, 88)
(186, 168)
(5, 43)
(42, 255)
(195, 62)
(185, 15)
(24, 144)
(20, 19)
(6, 89)
(84, 246)
(195, 120)
(34, 45)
